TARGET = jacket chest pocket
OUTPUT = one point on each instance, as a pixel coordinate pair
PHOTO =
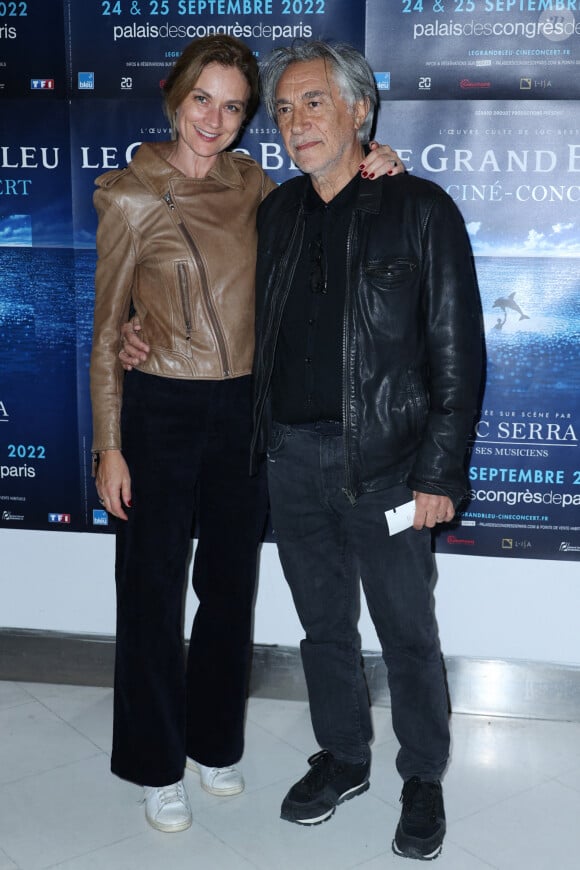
(184, 288)
(391, 274)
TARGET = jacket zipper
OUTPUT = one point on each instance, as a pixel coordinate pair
(347, 489)
(184, 290)
(216, 326)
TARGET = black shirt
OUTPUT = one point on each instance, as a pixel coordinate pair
(307, 377)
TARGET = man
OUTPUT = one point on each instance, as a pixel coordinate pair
(367, 372)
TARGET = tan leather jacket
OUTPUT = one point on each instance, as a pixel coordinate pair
(183, 252)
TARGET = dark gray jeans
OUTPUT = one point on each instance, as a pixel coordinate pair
(326, 547)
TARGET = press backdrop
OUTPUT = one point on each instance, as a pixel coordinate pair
(480, 96)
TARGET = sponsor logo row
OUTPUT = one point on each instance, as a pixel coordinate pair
(426, 83)
(512, 543)
(86, 82)
(100, 518)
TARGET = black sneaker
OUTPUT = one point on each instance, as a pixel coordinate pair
(421, 827)
(329, 782)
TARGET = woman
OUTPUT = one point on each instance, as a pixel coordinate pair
(177, 241)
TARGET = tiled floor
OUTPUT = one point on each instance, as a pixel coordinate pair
(512, 795)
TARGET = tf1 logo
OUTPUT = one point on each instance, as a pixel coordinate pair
(59, 518)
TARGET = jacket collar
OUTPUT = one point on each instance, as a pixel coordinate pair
(151, 166)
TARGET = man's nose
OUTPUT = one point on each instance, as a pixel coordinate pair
(299, 119)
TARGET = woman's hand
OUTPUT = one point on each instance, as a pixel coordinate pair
(381, 160)
(113, 483)
(133, 350)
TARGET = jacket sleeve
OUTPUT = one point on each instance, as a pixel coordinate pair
(454, 344)
(116, 260)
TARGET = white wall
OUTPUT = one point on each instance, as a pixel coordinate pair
(487, 607)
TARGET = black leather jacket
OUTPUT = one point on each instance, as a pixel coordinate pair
(412, 334)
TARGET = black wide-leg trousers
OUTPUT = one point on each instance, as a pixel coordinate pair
(187, 445)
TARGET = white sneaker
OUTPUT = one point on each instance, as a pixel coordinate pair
(218, 780)
(167, 807)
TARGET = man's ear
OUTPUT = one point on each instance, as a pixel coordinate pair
(361, 110)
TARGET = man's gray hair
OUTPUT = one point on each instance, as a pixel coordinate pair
(352, 75)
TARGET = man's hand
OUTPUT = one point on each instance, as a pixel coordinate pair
(432, 509)
(113, 483)
(133, 350)
(381, 160)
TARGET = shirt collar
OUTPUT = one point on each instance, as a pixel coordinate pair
(345, 198)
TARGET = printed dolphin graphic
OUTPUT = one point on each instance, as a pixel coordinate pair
(505, 302)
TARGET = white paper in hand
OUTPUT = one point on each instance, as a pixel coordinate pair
(400, 518)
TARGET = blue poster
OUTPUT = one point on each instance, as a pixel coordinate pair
(120, 53)
(513, 168)
(33, 58)
(125, 48)
(475, 49)
(39, 481)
